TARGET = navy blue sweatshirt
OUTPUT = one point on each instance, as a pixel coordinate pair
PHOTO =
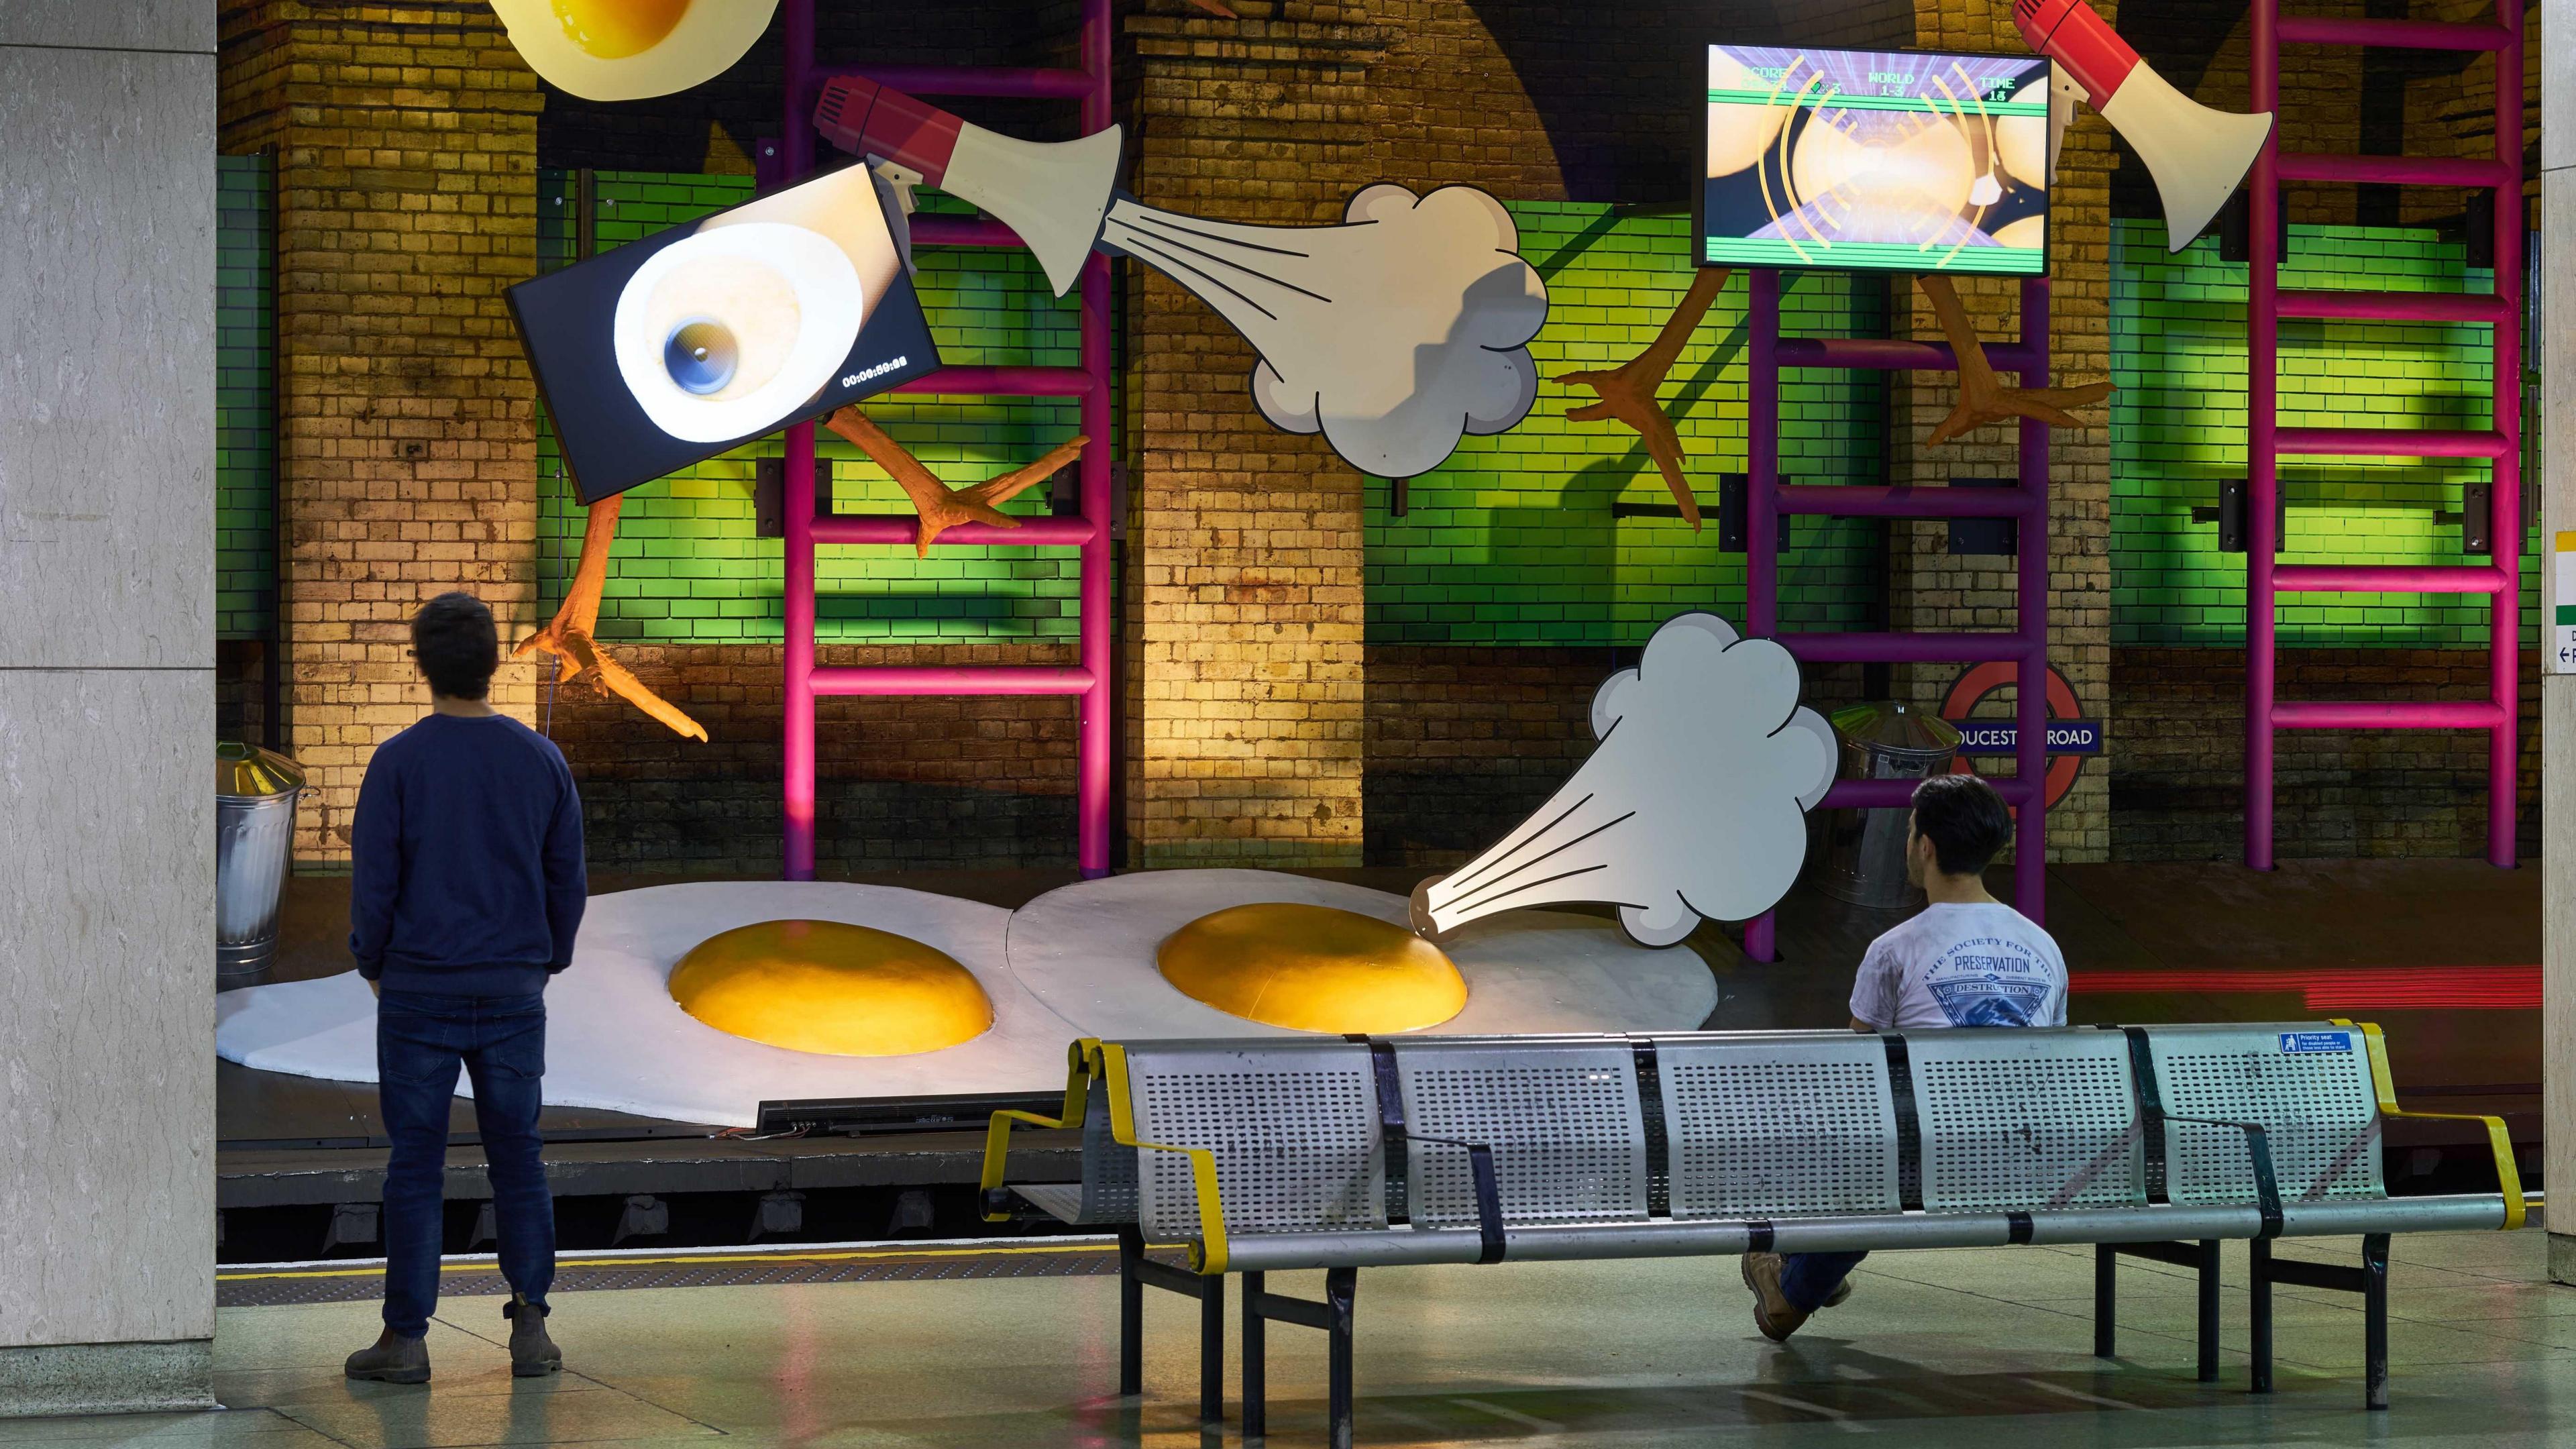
(467, 856)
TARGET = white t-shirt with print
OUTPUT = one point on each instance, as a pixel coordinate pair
(1962, 965)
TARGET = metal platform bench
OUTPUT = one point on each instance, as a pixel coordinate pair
(1263, 1154)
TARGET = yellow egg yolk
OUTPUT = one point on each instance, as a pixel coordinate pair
(1313, 968)
(615, 29)
(831, 988)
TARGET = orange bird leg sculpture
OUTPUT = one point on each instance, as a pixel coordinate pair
(940, 506)
(1981, 400)
(569, 639)
(1628, 392)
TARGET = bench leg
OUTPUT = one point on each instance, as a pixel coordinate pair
(2259, 1314)
(1212, 1350)
(2106, 1300)
(2209, 1310)
(1131, 1314)
(1340, 1286)
(1256, 1366)
(2374, 1310)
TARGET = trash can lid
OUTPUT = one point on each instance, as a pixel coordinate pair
(247, 771)
(1888, 728)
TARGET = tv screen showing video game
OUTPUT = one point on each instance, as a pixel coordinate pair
(1883, 161)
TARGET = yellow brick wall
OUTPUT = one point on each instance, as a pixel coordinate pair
(405, 138)
(1929, 589)
(1244, 635)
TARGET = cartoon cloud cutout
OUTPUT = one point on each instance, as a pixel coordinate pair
(1693, 807)
(1394, 333)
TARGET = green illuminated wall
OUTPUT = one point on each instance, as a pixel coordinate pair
(687, 566)
(245, 397)
(1513, 541)
(2178, 428)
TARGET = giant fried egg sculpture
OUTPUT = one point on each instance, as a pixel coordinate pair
(628, 50)
(698, 1002)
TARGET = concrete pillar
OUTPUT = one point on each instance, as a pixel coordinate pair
(2557, 484)
(107, 705)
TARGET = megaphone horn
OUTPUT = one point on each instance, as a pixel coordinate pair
(1054, 194)
(2196, 155)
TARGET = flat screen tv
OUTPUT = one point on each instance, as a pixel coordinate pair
(683, 344)
(1879, 161)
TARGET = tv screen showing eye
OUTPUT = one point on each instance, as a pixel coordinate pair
(696, 340)
(1883, 161)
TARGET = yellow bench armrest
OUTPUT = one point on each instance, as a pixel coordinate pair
(2500, 1142)
(1082, 1055)
(1208, 1255)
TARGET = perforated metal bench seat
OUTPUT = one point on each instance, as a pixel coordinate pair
(1271, 1154)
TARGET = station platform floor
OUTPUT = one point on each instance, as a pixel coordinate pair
(1983, 1349)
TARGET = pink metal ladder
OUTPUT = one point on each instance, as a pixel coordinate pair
(2025, 645)
(2500, 579)
(1087, 681)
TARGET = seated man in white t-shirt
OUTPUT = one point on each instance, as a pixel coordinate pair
(1966, 960)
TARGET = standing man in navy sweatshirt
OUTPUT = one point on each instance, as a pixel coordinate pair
(467, 892)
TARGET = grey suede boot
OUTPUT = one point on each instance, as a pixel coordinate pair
(532, 1353)
(394, 1360)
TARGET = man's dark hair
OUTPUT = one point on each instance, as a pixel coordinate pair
(453, 638)
(1964, 819)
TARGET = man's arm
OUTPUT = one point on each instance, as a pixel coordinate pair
(567, 874)
(1873, 998)
(375, 867)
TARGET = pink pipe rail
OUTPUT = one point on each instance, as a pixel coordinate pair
(936, 230)
(1006, 382)
(1766, 501)
(1881, 354)
(2390, 578)
(2393, 34)
(2396, 306)
(1042, 531)
(1906, 501)
(2501, 310)
(1904, 648)
(2380, 714)
(2393, 442)
(2396, 170)
(1024, 82)
(962, 679)
(1089, 684)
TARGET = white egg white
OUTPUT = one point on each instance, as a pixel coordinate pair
(1075, 962)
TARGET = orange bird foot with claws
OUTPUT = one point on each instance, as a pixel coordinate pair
(1983, 400)
(940, 506)
(1627, 392)
(568, 637)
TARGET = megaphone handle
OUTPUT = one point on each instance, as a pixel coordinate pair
(860, 116)
(2074, 35)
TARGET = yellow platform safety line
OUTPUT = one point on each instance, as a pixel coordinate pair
(855, 1255)
(1081, 1059)
(2384, 1084)
(1208, 1255)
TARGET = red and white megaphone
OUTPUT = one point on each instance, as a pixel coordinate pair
(2196, 155)
(1053, 193)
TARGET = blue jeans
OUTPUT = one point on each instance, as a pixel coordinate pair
(500, 1041)
(1808, 1279)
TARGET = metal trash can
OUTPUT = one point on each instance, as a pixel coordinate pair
(1865, 849)
(255, 795)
